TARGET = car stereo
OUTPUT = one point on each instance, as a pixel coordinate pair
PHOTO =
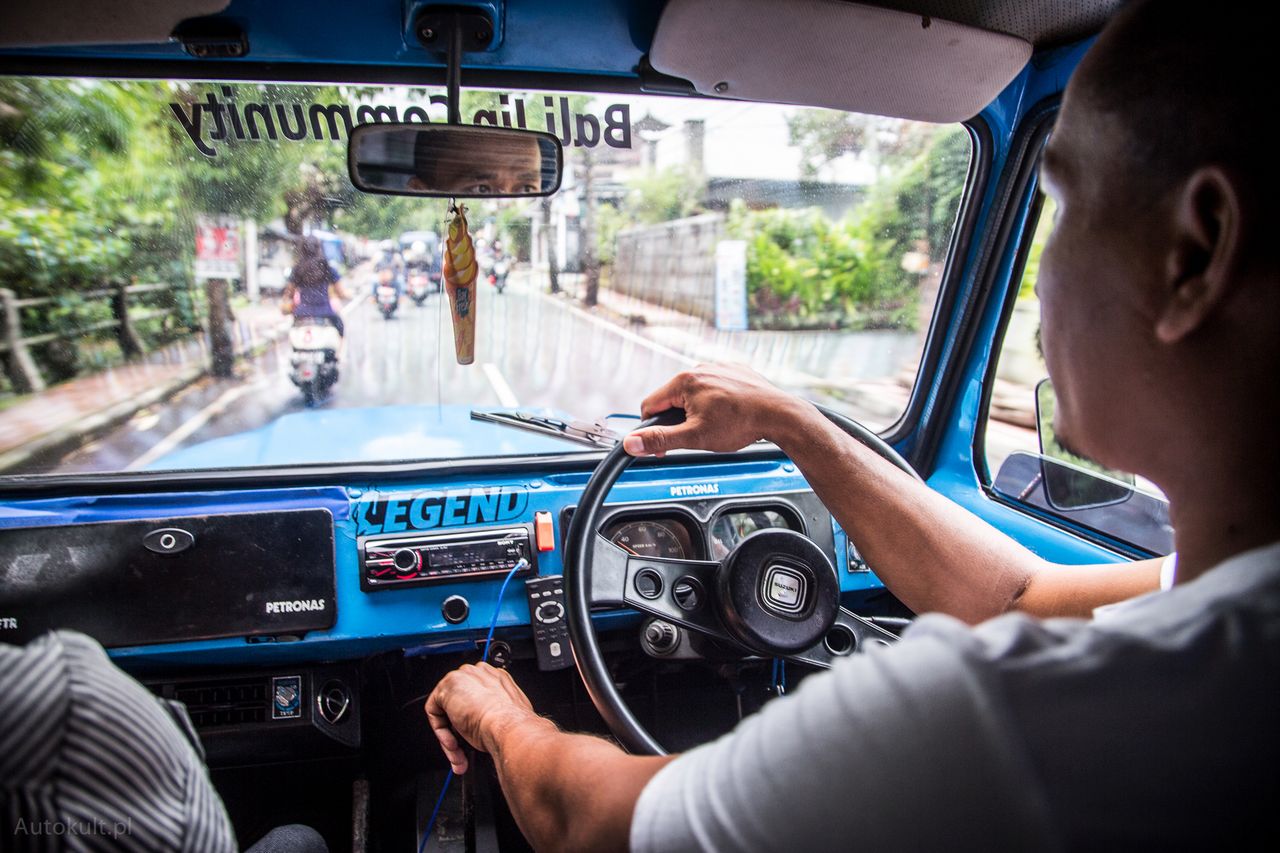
(425, 558)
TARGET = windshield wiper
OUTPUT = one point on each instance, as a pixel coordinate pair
(594, 434)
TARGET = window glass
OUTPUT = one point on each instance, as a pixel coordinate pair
(1118, 504)
(150, 232)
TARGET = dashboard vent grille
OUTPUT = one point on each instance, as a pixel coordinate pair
(225, 703)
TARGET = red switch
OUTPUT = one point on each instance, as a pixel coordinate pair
(544, 531)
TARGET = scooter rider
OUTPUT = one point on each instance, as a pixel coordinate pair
(313, 284)
(391, 259)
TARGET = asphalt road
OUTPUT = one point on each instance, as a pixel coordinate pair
(531, 350)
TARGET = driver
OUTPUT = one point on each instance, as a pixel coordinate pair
(477, 163)
(1153, 724)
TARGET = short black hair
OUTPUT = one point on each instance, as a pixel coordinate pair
(1189, 84)
(429, 149)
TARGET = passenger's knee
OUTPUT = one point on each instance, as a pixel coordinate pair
(291, 838)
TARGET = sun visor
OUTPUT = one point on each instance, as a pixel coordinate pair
(51, 23)
(828, 53)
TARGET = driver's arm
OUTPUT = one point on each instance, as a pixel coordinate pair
(934, 555)
(566, 791)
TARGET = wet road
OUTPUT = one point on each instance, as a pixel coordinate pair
(531, 350)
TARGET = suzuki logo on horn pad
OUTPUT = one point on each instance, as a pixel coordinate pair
(784, 590)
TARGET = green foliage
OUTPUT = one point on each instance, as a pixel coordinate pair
(99, 186)
(806, 271)
(656, 195)
(824, 135)
(514, 228)
(660, 195)
(383, 217)
(48, 127)
(609, 221)
(44, 252)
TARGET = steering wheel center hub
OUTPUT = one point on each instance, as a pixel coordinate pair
(778, 592)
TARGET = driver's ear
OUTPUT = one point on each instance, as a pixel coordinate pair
(1204, 262)
(415, 183)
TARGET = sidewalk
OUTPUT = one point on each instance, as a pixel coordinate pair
(66, 415)
(867, 374)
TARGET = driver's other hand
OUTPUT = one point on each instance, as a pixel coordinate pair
(467, 703)
(726, 407)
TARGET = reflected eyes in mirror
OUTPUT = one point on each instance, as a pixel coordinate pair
(452, 160)
(480, 188)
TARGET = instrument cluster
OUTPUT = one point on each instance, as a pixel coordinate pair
(674, 534)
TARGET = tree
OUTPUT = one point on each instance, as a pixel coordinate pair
(549, 241)
(804, 270)
(590, 266)
(660, 195)
(48, 125)
(827, 135)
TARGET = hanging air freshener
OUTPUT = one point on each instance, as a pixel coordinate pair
(460, 275)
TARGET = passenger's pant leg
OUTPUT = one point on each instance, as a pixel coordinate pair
(292, 838)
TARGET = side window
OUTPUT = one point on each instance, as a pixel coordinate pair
(1026, 465)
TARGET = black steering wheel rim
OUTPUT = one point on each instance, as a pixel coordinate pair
(581, 543)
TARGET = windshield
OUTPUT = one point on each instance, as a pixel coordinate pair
(164, 307)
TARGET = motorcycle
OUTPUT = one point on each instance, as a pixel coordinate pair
(314, 362)
(498, 273)
(419, 285)
(385, 293)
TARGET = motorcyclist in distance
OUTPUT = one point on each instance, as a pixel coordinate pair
(313, 285)
(389, 259)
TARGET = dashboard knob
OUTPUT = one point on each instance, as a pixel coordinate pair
(455, 609)
(662, 638)
(407, 561)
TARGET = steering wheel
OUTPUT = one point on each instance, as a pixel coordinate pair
(775, 594)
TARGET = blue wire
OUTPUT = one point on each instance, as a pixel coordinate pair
(431, 824)
(497, 610)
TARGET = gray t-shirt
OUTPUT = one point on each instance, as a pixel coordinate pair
(1155, 725)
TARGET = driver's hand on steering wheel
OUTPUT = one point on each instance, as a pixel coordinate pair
(726, 407)
(470, 703)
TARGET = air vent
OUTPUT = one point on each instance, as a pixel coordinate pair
(215, 704)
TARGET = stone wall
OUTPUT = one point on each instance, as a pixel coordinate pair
(672, 264)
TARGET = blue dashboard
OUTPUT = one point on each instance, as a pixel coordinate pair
(411, 618)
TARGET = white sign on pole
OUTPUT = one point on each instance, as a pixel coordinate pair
(731, 285)
(218, 247)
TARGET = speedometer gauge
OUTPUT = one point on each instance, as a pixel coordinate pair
(649, 539)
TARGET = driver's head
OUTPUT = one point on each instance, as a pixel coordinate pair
(477, 164)
(1158, 284)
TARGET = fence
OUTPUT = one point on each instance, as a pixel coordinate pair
(23, 372)
(672, 264)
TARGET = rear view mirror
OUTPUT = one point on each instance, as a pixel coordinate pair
(453, 161)
(1072, 482)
